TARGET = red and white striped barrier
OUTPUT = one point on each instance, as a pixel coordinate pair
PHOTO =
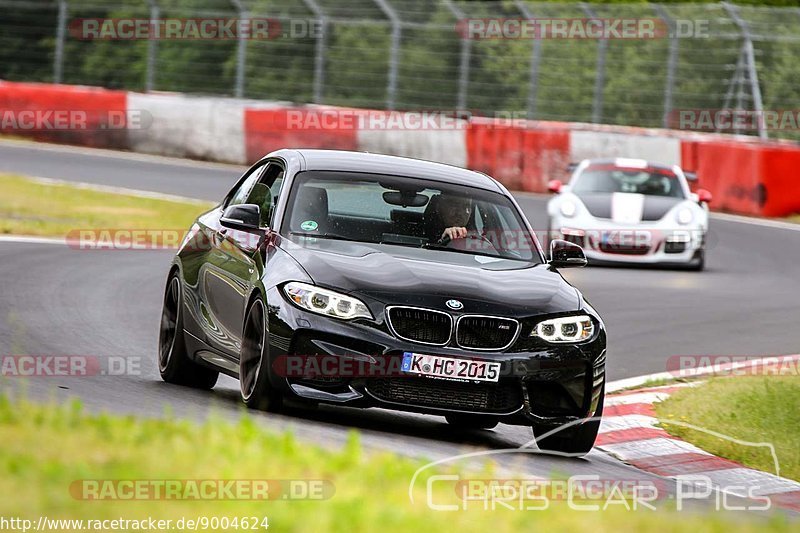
(744, 175)
(86, 116)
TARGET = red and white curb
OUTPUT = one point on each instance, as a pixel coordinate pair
(629, 432)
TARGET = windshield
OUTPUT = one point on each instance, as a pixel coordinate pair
(412, 212)
(610, 179)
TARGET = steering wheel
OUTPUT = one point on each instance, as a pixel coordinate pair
(473, 241)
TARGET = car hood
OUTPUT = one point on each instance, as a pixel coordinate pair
(628, 207)
(428, 278)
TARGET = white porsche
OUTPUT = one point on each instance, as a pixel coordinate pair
(631, 211)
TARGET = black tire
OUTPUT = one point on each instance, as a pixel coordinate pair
(253, 372)
(472, 421)
(576, 440)
(174, 364)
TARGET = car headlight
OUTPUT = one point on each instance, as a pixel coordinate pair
(565, 329)
(684, 216)
(568, 208)
(326, 302)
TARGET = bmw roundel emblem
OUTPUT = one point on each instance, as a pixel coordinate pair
(454, 304)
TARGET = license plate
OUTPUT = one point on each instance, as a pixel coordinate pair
(626, 238)
(448, 367)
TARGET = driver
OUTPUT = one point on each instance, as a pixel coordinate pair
(452, 215)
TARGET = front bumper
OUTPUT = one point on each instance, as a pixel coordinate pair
(358, 363)
(607, 242)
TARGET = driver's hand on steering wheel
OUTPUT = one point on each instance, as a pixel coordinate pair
(454, 233)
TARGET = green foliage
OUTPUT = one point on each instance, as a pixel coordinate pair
(71, 208)
(47, 449)
(749, 408)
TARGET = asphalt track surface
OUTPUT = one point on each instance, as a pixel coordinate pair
(57, 300)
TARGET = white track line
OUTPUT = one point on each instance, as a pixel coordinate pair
(620, 384)
(118, 154)
(611, 386)
(32, 240)
(766, 222)
(177, 161)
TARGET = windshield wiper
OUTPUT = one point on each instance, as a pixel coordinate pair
(319, 235)
(434, 246)
(499, 255)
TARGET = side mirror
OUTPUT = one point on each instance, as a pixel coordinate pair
(690, 176)
(554, 186)
(243, 217)
(565, 254)
(703, 196)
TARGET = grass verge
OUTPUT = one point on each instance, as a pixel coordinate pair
(31, 207)
(748, 408)
(47, 448)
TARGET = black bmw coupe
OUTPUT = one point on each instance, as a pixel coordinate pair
(377, 281)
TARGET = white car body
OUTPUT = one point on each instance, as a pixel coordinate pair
(631, 227)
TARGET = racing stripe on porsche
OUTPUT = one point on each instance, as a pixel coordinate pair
(627, 208)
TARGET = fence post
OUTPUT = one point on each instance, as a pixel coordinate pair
(464, 58)
(241, 51)
(600, 75)
(752, 73)
(152, 48)
(61, 30)
(734, 81)
(319, 50)
(394, 52)
(672, 59)
(536, 57)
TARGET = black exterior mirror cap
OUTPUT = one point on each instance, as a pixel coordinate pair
(243, 217)
(565, 254)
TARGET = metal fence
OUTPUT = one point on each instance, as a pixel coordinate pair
(414, 54)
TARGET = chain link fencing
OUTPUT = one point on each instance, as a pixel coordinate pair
(423, 55)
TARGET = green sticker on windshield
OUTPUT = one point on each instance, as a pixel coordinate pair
(309, 225)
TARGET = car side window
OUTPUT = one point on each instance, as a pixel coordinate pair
(276, 191)
(242, 191)
(265, 193)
